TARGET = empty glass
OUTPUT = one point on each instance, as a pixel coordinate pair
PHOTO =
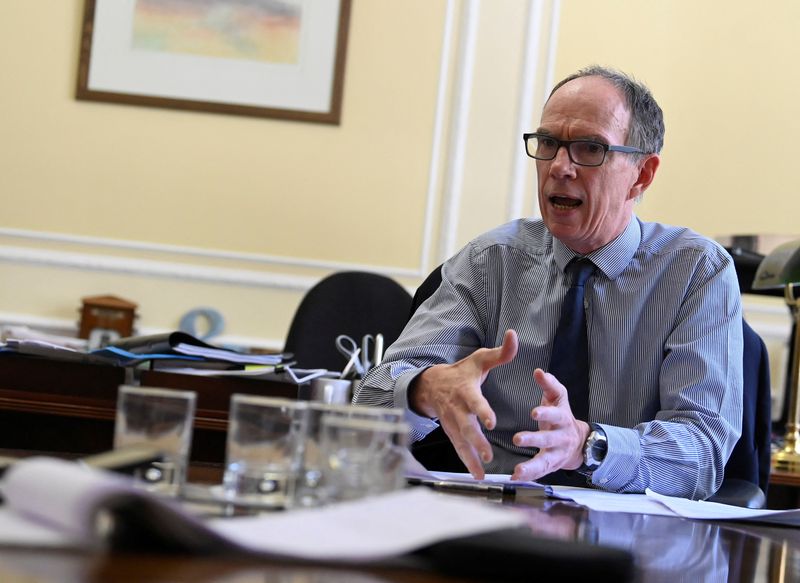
(161, 419)
(264, 450)
(312, 485)
(362, 456)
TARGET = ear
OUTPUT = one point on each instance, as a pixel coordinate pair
(647, 171)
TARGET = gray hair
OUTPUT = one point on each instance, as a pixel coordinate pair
(646, 130)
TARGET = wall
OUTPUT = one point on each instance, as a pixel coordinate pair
(175, 209)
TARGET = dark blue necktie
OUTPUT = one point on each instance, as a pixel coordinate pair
(569, 361)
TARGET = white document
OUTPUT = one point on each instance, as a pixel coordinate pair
(715, 511)
(654, 503)
(227, 355)
(648, 503)
(373, 528)
(610, 501)
(416, 473)
(50, 502)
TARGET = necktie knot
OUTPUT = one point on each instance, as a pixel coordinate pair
(580, 269)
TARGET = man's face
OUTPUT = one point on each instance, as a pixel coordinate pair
(586, 207)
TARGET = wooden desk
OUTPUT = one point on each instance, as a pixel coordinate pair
(69, 407)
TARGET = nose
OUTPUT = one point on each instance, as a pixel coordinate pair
(562, 166)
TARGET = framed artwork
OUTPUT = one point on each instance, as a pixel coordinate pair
(270, 58)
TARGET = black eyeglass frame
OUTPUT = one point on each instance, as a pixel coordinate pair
(567, 143)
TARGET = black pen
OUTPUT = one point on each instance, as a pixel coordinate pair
(469, 487)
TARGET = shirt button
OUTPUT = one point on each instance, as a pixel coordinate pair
(604, 481)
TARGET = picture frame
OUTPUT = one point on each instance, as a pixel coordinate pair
(280, 59)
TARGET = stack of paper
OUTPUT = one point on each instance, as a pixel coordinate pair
(364, 530)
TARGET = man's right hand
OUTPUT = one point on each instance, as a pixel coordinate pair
(452, 392)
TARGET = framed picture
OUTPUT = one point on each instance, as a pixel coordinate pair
(271, 58)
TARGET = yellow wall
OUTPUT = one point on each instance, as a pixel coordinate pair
(262, 208)
(726, 75)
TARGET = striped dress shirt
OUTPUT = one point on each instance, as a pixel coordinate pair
(663, 313)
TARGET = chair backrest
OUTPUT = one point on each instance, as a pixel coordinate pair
(426, 289)
(348, 302)
(750, 459)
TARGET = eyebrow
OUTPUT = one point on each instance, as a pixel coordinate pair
(591, 137)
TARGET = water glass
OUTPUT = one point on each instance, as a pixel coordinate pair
(161, 419)
(264, 450)
(362, 456)
(312, 487)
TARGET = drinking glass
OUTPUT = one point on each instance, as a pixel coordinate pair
(362, 456)
(161, 419)
(312, 486)
(264, 450)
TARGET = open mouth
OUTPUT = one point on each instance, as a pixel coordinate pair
(565, 203)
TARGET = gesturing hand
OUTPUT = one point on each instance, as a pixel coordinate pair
(452, 392)
(560, 437)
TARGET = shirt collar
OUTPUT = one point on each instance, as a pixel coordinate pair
(612, 258)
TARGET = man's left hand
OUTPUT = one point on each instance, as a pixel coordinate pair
(560, 437)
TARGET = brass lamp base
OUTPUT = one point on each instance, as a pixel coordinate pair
(786, 460)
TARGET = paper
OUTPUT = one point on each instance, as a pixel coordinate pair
(601, 500)
(416, 473)
(609, 501)
(373, 528)
(227, 355)
(282, 373)
(653, 503)
(363, 530)
(701, 509)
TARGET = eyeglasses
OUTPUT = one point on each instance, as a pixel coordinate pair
(581, 152)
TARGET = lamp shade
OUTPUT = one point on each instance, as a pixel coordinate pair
(780, 268)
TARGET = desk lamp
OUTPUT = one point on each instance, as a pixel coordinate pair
(781, 269)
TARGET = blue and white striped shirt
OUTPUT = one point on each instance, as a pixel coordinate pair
(663, 313)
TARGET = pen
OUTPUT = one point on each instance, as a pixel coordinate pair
(378, 349)
(469, 487)
(350, 364)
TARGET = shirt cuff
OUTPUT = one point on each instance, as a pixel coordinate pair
(421, 426)
(624, 452)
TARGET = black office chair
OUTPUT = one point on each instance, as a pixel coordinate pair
(349, 302)
(747, 471)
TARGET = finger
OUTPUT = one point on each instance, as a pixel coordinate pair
(553, 391)
(472, 434)
(466, 452)
(538, 439)
(549, 415)
(479, 406)
(533, 469)
(503, 354)
(508, 350)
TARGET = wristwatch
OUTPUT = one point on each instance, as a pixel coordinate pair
(594, 450)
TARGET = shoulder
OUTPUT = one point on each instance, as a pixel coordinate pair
(668, 241)
(527, 235)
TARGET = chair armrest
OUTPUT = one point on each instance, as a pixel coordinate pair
(738, 492)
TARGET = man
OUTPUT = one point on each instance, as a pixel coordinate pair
(662, 309)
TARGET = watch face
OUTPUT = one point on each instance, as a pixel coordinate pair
(595, 450)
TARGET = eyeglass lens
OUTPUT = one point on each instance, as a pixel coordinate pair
(585, 153)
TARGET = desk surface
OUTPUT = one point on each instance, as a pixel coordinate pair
(665, 549)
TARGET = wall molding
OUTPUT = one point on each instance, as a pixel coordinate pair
(447, 156)
(462, 96)
(171, 269)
